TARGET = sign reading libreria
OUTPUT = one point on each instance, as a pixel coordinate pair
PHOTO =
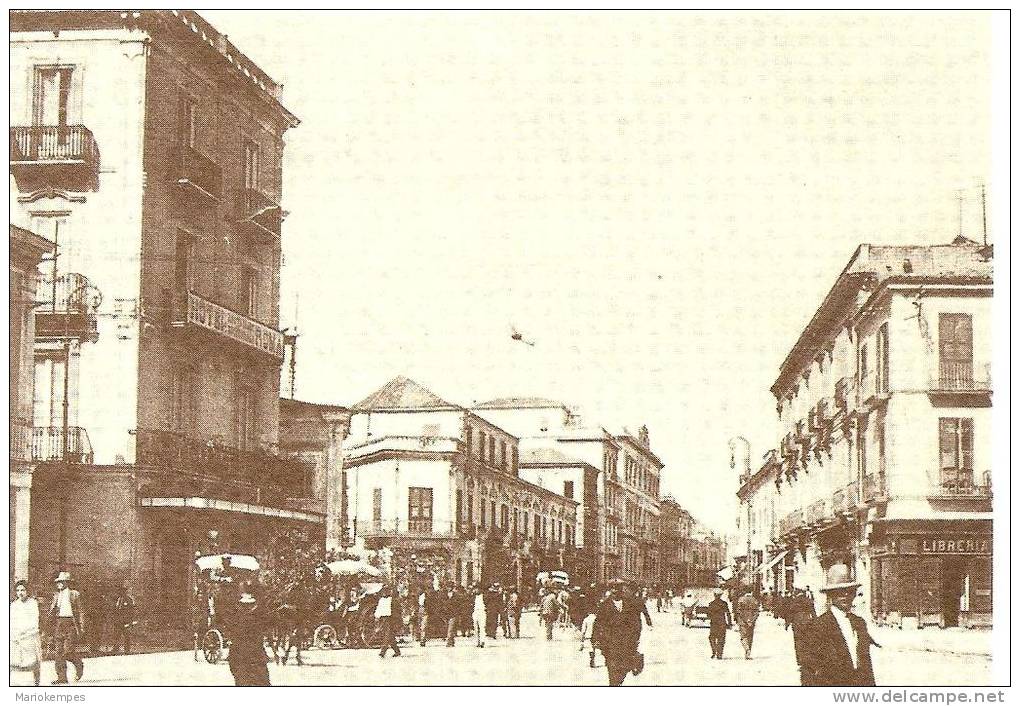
(223, 321)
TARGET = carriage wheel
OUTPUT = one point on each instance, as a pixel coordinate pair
(212, 646)
(325, 638)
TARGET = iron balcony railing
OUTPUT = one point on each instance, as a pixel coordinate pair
(958, 376)
(426, 528)
(817, 512)
(846, 499)
(57, 144)
(191, 167)
(961, 482)
(791, 523)
(51, 444)
(266, 475)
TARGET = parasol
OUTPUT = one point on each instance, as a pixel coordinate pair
(350, 567)
(213, 562)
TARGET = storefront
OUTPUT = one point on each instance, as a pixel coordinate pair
(938, 572)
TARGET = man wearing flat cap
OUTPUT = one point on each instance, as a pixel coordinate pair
(66, 628)
(836, 644)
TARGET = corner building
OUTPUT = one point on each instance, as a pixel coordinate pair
(148, 149)
(884, 460)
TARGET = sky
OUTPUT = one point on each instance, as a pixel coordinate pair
(659, 201)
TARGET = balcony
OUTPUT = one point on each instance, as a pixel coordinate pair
(792, 523)
(64, 156)
(414, 528)
(50, 444)
(956, 384)
(204, 316)
(222, 471)
(844, 394)
(66, 309)
(196, 173)
(817, 513)
(873, 489)
(259, 215)
(960, 482)
(846, 500)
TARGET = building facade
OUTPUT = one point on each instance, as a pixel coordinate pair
(427, 476)
(884, 460)
(26, 253)
(640, 475)
(148, 148)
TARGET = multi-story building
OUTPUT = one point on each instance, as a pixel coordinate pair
(27, 251)
(885, 422)
(314, 434)
(641, 472)
(550, 429)
(426, 475)
(148, 148)
(708, 556)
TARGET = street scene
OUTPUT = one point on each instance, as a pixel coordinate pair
(501, 348)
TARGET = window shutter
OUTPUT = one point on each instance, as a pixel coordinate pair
(967, 443)
(947, 442)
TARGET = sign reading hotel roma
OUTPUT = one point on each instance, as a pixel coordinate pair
(931, 545)
(223, 321)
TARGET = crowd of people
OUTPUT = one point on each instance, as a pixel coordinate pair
(830, 649)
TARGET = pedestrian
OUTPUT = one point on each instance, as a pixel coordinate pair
(719, 620)
(658, 600)
(513, 613)
(688, 604)
(747, 610)
(387, 612)
(123, 620)
(66, 627)
(549, 611)
(588, 632)
(800, 611)
(617, 632)
(247, 654)
(479, 617)
(451, 611)
(836, 646)
(26, 640)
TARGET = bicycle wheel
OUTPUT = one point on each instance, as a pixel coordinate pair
(212, 646)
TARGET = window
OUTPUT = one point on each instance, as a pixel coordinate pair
(248, 295)
(492, 512)
(245, 434)
(527, 527)
(419, 510)
(51, 98)
(513, 460)
(504, 519)
(188, 123)
(956, 351)
(184, 258)
(568, 489)
(481, 445)
(377, 507)
(862, 364)
(252, 160)
(460, 506)
(538, 526)
(471, 509)
(516, 526)
(502, 454)
(467, 439)
(882, 359)
(956, 443)
(48, 392)
(182, 399)
(492, 450)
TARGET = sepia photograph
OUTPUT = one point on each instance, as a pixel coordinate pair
(509, 348)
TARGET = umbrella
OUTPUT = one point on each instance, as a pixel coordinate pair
(220, 561)
(371, 587)
(349, 567)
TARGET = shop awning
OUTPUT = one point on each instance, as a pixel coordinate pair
(230, 506)
(775, 560)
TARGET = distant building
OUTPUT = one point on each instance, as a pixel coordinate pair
(428, 476)
(884, 454)
(640, 473)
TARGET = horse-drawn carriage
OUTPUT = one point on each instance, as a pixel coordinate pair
(348, 620)
(221, 580)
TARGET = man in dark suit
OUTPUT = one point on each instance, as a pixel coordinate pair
(66, 628)
(247, 655)
(617, 632)
(719, 619)
(836, 646)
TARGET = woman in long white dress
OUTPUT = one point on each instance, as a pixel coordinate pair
(26, 642)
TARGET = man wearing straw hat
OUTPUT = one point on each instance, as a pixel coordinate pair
(65, 617)
(836, 644)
